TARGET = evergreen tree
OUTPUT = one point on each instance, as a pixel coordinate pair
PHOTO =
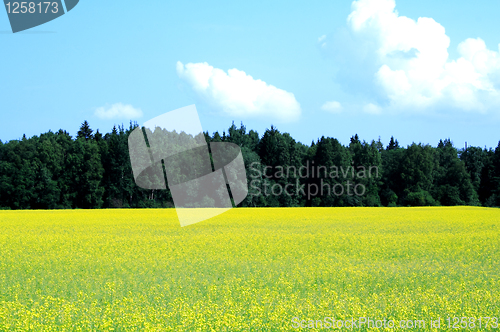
(331, 160)
(474, 159)
(393, 144)
(417, 168)
(85, 132)
(452, 185)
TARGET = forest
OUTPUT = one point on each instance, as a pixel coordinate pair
(92, 170)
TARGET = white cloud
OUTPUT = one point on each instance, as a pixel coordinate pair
(237, 94)
(409, 63)
(372, 109)
(332, 107)
(118, 111)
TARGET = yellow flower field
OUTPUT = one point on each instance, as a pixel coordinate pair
(248, 269)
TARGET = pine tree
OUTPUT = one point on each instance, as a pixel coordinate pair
(393, 144)
(85, 132)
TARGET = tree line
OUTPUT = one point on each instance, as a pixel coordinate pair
(92, 170)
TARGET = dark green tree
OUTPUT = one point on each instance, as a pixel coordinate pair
(417, 168)
(393, 144)
(332, 161)
(85, 132)
(452, 184)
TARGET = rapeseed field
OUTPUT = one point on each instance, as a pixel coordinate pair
(268, 269)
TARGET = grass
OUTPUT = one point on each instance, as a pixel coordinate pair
(247, 269)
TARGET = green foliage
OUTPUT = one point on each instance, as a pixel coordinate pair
(55, 170)
(452, 182)
(420, 198)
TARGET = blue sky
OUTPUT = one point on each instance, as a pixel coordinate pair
(332, 68)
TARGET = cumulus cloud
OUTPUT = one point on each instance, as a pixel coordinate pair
(118, 111)
(332, 107)
(236, 93)
(407, 66)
